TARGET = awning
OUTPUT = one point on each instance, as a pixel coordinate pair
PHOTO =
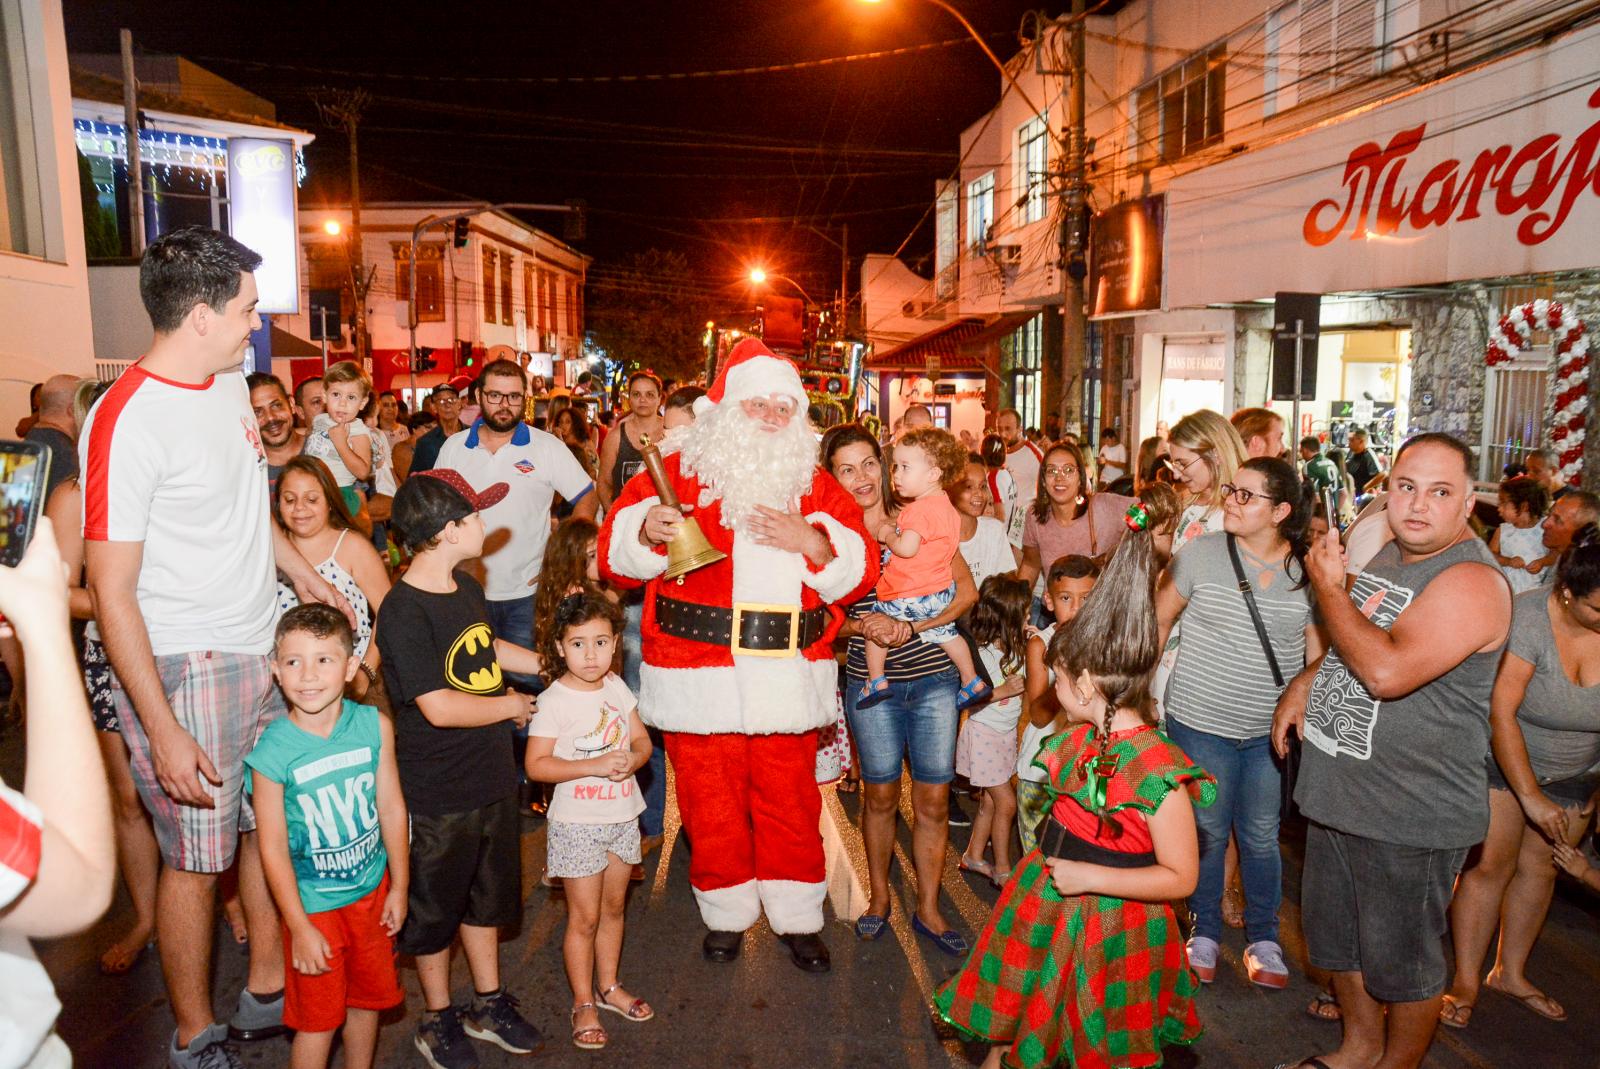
(960, 345)
(286, 346)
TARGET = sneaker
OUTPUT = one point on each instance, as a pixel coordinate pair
(208, 1050)
(1203, 957)
(958, 816)
(494, 1019)
(443, 1043)
(1263, 964)
(258, 1017)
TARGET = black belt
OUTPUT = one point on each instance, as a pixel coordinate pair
(761, 631)
(1056, 840)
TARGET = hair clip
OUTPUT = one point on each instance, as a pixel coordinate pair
(1137, 517)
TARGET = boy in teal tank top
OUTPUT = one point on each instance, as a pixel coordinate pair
(334, 847)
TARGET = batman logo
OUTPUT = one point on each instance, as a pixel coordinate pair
(475, 645)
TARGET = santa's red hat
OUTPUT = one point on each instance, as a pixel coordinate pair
(753, 370)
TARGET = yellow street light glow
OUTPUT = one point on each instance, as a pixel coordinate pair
(332, 227)
(757, 275)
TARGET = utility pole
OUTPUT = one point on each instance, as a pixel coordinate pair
(344, 108)
(1073, 239)
(130, 121)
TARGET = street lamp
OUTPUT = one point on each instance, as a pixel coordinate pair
(759, 277)
(332, 228)
(973, 33)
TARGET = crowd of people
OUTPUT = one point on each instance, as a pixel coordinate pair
(331, 654)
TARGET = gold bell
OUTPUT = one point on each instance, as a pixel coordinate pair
(690, 548)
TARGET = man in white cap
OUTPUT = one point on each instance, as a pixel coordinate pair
(738, 666)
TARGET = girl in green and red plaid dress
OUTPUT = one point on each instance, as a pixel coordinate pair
(1082, 962)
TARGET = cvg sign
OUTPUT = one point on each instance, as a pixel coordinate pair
(1537, 182)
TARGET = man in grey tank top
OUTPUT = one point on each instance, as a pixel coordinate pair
(1395, 720)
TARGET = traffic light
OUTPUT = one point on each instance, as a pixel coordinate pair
(465, 357)
(425, 359)
(460, 236)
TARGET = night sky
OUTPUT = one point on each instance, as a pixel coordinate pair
(681, 164)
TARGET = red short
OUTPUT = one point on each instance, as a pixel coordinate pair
(361, 971)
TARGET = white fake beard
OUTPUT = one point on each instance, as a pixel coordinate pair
(744, 465)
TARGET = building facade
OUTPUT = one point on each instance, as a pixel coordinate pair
(1427, 168)
(510, 290)
(44, 284)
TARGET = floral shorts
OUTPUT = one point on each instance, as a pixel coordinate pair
(923, 607)
(97, 681)
(579, 850)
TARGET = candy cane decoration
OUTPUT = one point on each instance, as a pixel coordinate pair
(1514, 335)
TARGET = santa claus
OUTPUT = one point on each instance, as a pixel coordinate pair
(738, 667)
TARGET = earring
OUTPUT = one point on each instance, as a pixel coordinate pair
(1079, 500)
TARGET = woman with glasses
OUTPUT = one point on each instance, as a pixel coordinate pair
(1203, 452)
(1067, 516)
(1224, 686)
(1545, 716)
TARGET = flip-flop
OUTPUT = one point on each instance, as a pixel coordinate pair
(1531, 1000)
(1324, 1007)
(1453, 1014)
(982, 868)
(128, 964)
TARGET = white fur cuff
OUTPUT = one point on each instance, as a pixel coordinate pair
(793, 908)
(625, 555)
(730, 909)
(843, 574)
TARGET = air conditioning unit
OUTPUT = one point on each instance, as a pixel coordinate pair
(1006, 254)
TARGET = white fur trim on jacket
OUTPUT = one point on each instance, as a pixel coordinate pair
(793, 908)
(627, 556)
(730, 909)
(843, 573)
(757, 696)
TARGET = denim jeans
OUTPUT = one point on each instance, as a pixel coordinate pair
(513, 621)
(918, 718)
(652, 777)
(1249, 788)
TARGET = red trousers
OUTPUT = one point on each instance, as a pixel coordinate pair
(751, 808)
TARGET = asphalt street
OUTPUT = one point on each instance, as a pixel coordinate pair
(870, 1011)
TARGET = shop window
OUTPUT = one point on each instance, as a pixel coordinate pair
(1022, 355)
(1033, 162)
(21, 191)
(490, 284)
(1182, 111)
(430, 278)
(980, 210)
(328, 269)
(1514, 413)
(506, 285)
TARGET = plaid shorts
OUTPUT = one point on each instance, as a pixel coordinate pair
(225, 701)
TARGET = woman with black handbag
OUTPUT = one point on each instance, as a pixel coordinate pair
(1247, 629)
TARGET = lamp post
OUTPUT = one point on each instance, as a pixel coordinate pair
(759, 277)
(1075, 190)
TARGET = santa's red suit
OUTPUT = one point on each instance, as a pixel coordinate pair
(741, 725)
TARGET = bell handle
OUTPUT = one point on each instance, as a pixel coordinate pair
(658, 474)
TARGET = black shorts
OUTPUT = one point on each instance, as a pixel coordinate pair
(1379, 909)
(466, 868)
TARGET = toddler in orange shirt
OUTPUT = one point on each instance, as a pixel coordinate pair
(917, 585)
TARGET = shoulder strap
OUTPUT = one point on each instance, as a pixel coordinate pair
(1255, 613)
(1088, 514)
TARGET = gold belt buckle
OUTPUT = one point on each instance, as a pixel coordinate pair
(742, 607)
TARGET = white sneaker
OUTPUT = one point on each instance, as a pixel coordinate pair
(1203, 957)
(1263, 964)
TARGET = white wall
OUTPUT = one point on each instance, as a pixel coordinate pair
(122, 330)
(887, 287)
(44, 302)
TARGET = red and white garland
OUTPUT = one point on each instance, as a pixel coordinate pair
(1514, 335)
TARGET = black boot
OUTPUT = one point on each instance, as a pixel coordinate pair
(808, 951)
(722, 947)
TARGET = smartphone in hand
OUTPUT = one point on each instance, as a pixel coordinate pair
(24, 474)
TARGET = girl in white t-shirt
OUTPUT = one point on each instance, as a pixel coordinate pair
(986, 750)
(587, 739)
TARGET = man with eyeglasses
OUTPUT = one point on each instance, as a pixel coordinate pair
(446, 401)
(500, 448)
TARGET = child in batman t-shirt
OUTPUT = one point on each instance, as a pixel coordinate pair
(454, 721)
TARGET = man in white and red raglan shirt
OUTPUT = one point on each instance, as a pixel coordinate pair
(182, 560)
(1022, 456)
(738, 666)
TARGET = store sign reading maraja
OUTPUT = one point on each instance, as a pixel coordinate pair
(1539, 180)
